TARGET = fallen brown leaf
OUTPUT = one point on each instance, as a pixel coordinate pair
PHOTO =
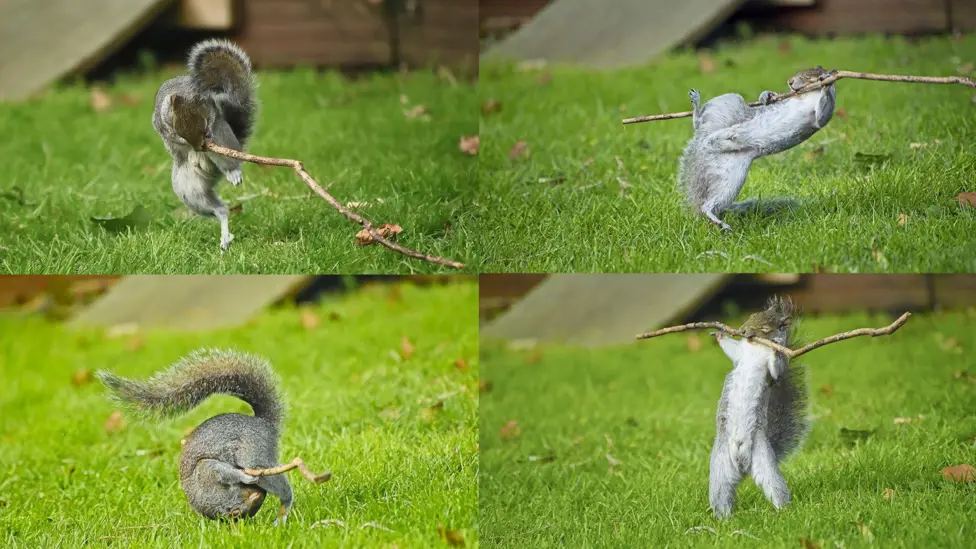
(519, 149)
(491, 106)
(309, 318)
(841, 112)
(484, 386)
(406, 348)
(81, 377)
(386, 230)
(417, 111)
(808, 543)
(814, 153)
(694, 342)
(451, 537)
(510, 430)
(469, 144)
(99, 99)
(967, 199)
(888, 493)
(461, 365)
(902, 219)
(115, 422)
(706, 63)
(963, 472)
(827, 389)
(784, 46)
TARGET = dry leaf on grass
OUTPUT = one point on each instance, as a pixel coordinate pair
(963, 472)
(865, 531)
(808, 543)
(406, 348)
(613, 462)
(461, 365)
(706, 63)
(99, 99)
(491, 106)
(694, 342)
(417, 111)
(888, 493)
(386, 230)
(115, 422)
(519, 149)
(827, 389)
(469, 144)
(902, 219)
(81, 377)
(451, 537)
(326, 523)
(510, 430)
(841, 112)
(484, 386)
(967, 199)
(310, 319)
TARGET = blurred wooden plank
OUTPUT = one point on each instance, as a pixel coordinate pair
(612, 34)
(205, 14)
(44, 41)
(955, 291)
(833, 17)
(963, 14)
(596, 310)
(187, 302)
(835, 293)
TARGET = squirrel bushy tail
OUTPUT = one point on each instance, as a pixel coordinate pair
(190, 381)
(221, 68)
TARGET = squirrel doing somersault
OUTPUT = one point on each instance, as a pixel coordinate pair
(214, 101)
(216, 454)
(730, 134)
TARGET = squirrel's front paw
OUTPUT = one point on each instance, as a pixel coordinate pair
(766, 97)
(235, 176)
(694, 95)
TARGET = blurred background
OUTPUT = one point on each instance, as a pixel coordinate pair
(48, 40)
(595, 310)
(127, 304)
(628, 32)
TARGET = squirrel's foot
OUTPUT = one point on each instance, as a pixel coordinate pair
(225, 241)
(694, 96)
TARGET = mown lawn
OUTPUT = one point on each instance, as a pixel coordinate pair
(612, 444)
(877, 187)
(65, 162)
(397, 429)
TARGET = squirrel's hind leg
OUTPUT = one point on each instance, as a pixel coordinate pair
(708, 210)
(223, 215)
(766, 473)
(723, 479)
(279, 486)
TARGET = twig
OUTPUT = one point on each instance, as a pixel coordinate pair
(346, 212)
(790, 353)
(296, 463)
(835, 76)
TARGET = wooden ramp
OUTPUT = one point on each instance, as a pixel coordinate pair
(42, 41)
(613, 33)
(187, 302)
(595, 310)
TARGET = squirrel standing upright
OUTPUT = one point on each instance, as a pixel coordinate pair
(216, 453)
(215, 101)
(761, 415)
(729, 135)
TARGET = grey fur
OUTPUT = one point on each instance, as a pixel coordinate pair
(215, 454)
(729, 135)
(220, 78)
(761, 414)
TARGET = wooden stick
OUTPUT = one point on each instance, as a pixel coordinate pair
(317, 189)
(296, 463)
(835, 76)
(790, 353)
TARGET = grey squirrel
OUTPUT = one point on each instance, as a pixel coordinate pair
(761, 415)
(729, 135)
(216, 453)
(216, 101)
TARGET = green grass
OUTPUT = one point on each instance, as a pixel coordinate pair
(651, 406)
(72, 163)
(563, 207)
(399, 459)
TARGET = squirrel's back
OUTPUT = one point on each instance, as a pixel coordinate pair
(190, 381)
(221, 69)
